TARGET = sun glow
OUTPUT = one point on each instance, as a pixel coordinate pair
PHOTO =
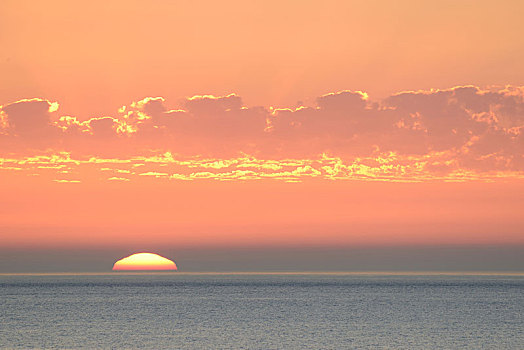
(144, 261)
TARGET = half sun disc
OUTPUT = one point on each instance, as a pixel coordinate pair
(144, 262)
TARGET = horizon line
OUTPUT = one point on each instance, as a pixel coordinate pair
(334, 273)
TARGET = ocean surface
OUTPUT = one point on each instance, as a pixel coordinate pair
(262, 311)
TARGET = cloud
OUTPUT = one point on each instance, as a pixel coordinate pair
(212, 106)
(105, 127)
(29, 119)
(29, 116)
(461, 129)
(379, 167)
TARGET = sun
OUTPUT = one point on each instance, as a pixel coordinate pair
(144, 262)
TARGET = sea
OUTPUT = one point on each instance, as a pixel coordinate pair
(262, 311)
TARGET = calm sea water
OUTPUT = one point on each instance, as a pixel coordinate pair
(262, 312)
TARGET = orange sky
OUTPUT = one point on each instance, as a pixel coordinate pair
(95, 57)
(137, 125)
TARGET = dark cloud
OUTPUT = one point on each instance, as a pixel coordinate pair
(103, 127)
(30, 117)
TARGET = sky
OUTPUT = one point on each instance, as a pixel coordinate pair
(262, 135)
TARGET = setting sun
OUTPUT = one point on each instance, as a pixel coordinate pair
(144, 261)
